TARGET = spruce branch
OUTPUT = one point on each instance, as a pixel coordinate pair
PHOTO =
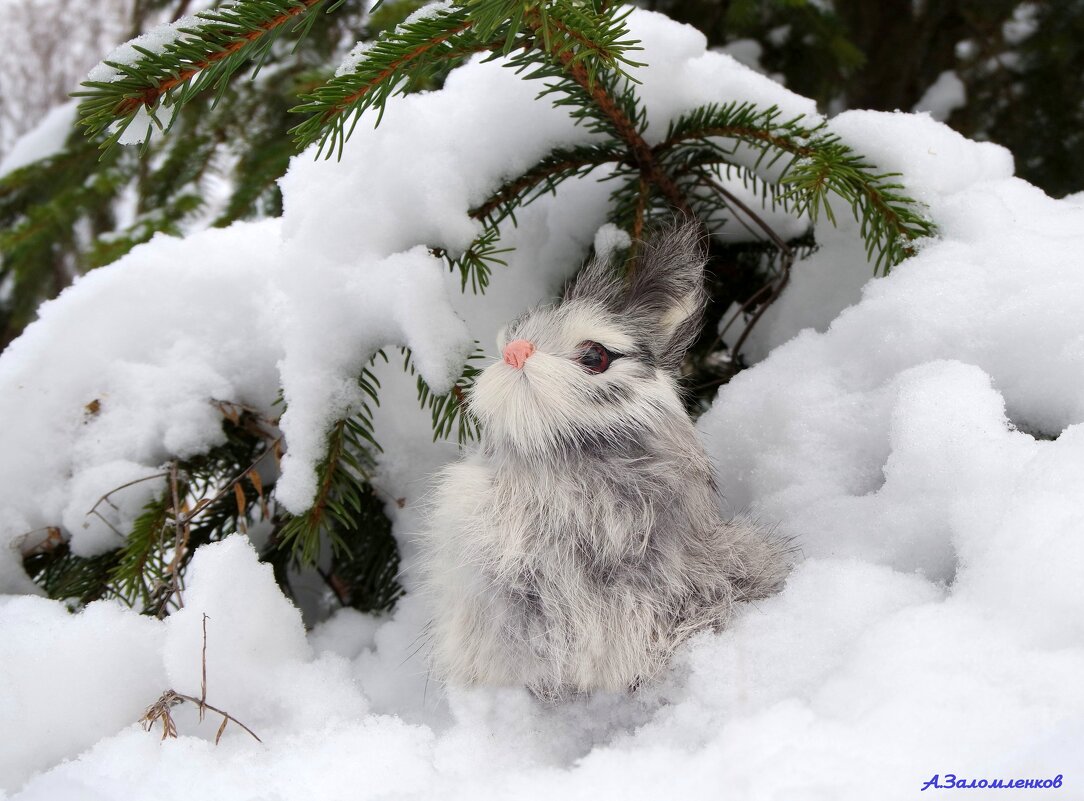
(65, 576)
(889, 221)
(568, 32)
(544, 177)
(397, 61)
(818, 164)
(365, 577)
(476, 263)
(574, 33)
(627, 127)
(140, 576)
(341, 478)
(739, 120)
(203, 55)
(449, 411)
(192, 505)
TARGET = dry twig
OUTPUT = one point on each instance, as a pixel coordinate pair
(161, 710)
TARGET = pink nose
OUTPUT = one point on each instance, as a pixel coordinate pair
(517, 352)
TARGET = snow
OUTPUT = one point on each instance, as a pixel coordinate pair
(128, 53)
(44, 718)
(352, 59)
(428, 11)
(943, 96)
(358, 53)
(609, 239)
(1024, 23)
(44, 140)
(921, 436)
(141, 126)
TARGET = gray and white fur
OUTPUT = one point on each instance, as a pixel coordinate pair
(582, 541)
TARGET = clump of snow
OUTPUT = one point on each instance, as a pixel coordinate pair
(778, 36)
(256, 647)
(140, 128)
(934, 159)
(353, 58)
(921, 437)
(428, 11)
(609, 239)
(43, 140)
(1024, 23)
(943, 96)
(966, 49)
(691, 76)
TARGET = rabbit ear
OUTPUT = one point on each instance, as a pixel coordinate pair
(667, 292)
(597, 281)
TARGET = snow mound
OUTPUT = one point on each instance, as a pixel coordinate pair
(921, 436)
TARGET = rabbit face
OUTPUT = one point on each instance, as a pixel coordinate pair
(589, 381)
(598, 370)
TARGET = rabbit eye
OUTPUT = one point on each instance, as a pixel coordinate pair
(595, 357)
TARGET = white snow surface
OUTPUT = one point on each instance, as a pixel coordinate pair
(352, 59)
(921, 436)
(44, 140)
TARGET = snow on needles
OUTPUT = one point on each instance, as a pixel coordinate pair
(153, 40)
(921, 436)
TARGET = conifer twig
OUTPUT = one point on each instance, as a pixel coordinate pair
(152, 94)
(359, 94)
(203, 668)
(642, 154)
(736, 202)
(543, 173)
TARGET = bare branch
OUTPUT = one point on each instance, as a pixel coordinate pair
(787, 259)
(105, 498)
(161, 710)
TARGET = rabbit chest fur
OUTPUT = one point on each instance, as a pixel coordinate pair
(582, 542)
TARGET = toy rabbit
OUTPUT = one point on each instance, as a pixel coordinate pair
(582, 541)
